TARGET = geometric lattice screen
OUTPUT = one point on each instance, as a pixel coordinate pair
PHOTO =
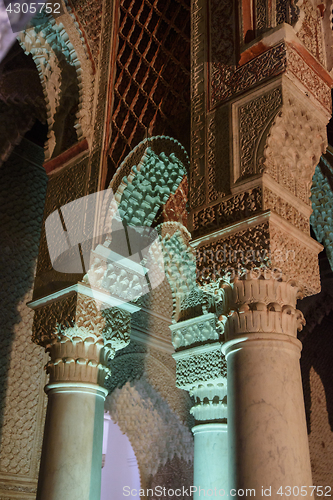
(152, 83)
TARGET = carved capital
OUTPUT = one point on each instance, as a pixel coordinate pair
(263, 306)
(200, 366)
(81, 337)
(202, 371)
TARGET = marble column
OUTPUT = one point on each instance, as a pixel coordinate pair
(268, 443)
(201, 370)
(210, 458)
(72, 449)
(81, 337)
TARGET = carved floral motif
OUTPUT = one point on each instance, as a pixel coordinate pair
(202, 367)
(281, 58)
(310, 30)
(198, 105)
(222, 41)
(192, 331)
(225, 82)
(253, 119)
(309, 78)
(202, 371)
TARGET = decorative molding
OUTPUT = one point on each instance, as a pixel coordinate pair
(283, 58)
(192, 331)
(226, 82)
(274, 202)
(263, 305)
(268, 247)
(232, 209)
(198, 104)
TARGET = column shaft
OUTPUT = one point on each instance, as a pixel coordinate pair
(210, 459)
(268, 443)
(72, 449)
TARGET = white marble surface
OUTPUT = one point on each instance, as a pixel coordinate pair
(72, 449)
(268, 443)
(210, 459)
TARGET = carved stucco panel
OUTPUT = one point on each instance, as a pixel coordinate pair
(286, 210)
(296, 260)
(265, 250)
(309, 28)
(254, 117)
(198, 104)
(227, 211)
(299, 70)
(225, 82)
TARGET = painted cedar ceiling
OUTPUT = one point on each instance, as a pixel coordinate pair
(152, 82)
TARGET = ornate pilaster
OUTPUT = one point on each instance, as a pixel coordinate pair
(201, 370)
(82, 335)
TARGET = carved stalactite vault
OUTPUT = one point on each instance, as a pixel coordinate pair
(146, 419)
(62, 60)
(294, 144)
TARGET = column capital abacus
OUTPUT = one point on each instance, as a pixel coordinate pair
(81, 334)
(263, 305)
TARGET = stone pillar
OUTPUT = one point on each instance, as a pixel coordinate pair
(210, 458)
(81, 337)
(268, 443)
(261, 101)
(201, 370)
